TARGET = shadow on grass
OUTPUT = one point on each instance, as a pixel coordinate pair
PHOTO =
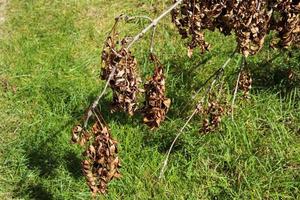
(34, 192)
(281, 78)
(43, 160)
(47, 156)
(38, 192)
(162, 139)
(73, 164)
(183, 84)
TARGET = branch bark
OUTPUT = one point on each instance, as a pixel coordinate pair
(153, 25)
(236, 87)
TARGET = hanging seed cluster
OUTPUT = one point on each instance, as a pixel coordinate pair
(251, 25)
(245, 82)
(250, 20)
(287, 22)
(102, 163)
(121, 67)
(80, 136)
(156, 103)
(213, 116)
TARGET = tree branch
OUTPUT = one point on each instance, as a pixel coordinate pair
(236, 86)
(217, 72)
(217, 76)
(153, 24)
(96, 102)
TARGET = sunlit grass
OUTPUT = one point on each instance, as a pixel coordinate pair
(51, 54)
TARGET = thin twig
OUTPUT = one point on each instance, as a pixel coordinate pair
(198, 106)
(173, 143)
(130, 18)
(153, 24)
(152, 40)
(217, 72)
(96, 102)
(90, 111)
(236, 86)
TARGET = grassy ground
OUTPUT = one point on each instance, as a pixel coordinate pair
(49, 68)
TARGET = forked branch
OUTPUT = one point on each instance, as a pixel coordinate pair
(217, 75)
(152, 25)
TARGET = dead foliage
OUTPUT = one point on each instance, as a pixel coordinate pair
(156, 103)
(250, 20)
(101, 163)
(212, 116)
(122, 67)
(245, 82)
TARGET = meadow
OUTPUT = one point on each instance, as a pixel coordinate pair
(50, 61)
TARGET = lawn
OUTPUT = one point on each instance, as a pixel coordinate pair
(50, 60)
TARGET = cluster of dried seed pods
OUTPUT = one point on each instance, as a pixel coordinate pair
(251, 20)
(120, 69)
(245, 82)
(251, 24)
(287, 22)
(124, 82)
(156, 103)
(102, 162)
(80, 136)
(192, 18)
(213, 115)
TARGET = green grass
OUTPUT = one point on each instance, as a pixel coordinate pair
(50, 54)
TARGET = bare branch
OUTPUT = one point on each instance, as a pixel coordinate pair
(236, 86)
(153, 24)
(96, 102)
(218, 74)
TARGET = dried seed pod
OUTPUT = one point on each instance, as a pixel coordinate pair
(102, 163)
(125, 84)
(156, 104)
(213, 115)
(289, 26)
(251, 24)
(79, 135)
(195, 16)
(251, 21)
(125, 80)
(245, 82)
